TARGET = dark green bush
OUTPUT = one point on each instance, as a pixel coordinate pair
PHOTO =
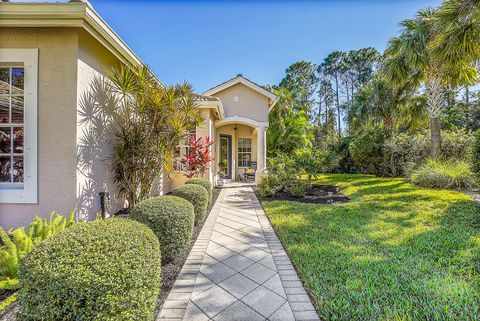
(457, 144)
(100, 270)
(171, 218)
(366, 150)
(197, 195)
(205, 183)
(475, 156)
(403, 150)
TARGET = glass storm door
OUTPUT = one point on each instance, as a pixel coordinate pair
(225, 161)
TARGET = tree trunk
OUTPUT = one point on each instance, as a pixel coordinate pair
(338, 107)
(327, 107)
(435, 107)
(309, 180)
(467, 94)
(319, 120)
(436, 138)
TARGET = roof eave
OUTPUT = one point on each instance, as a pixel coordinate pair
(240, 79)
(71, 14)
(216, 104)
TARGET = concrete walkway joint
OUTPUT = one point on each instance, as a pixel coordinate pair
(237, 269)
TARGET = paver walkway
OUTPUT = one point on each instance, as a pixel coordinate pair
(237, 269)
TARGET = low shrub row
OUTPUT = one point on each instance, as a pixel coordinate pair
(198, 196)
(171, 218)
(374, 151)
(205, 183)
(109, 269)
(100, 270)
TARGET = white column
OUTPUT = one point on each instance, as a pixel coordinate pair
(261, 149)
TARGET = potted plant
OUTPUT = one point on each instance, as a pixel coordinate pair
(221, 179)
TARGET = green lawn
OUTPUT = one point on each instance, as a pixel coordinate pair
(394, 252)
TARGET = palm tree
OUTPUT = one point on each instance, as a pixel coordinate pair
(411, 57)
(288, 129)
(381, 102)
(458, 31)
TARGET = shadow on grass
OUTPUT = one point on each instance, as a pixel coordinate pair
(406, 254)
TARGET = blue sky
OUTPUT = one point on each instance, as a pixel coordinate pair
(207, 42)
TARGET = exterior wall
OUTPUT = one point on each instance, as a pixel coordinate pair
(93, 174)
(243, 131)
(251, 104)
(207, 128)
(56, 118)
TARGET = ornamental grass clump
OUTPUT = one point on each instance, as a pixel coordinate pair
(197, 195)
(444, 174)
(171, 218)
(205, 183)
(101, 270)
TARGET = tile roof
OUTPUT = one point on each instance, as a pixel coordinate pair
(199, 97)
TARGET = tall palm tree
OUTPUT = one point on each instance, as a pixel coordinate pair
(412, 57)
(458, 31)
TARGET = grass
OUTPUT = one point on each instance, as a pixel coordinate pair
(394, 252)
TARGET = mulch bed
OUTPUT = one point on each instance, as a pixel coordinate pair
(171, 271)
(5, 294)
(317, 194)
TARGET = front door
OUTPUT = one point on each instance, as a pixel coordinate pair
(225, 161)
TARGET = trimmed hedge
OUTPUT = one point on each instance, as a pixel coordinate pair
(101, 270)
(171, 218)
(197, 195)
(205, 183)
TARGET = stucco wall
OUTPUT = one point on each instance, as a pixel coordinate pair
(56, 118)
(207, 128)
(251, 104)
(93, 168)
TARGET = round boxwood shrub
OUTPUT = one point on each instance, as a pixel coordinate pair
(205, 183)
(197, 195)
(171, 218)
(102, 270)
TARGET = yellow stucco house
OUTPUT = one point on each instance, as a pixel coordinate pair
(49, 55)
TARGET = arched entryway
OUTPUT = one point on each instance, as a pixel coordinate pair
(241, 145)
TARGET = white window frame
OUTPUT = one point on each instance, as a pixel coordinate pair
(238, 152)
(26, 192)
(183, 149)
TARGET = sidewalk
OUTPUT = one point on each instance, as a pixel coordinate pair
(237, 269)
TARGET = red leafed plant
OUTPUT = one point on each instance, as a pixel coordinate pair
(197, 159)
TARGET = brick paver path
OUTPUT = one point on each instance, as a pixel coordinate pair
(237, 269)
